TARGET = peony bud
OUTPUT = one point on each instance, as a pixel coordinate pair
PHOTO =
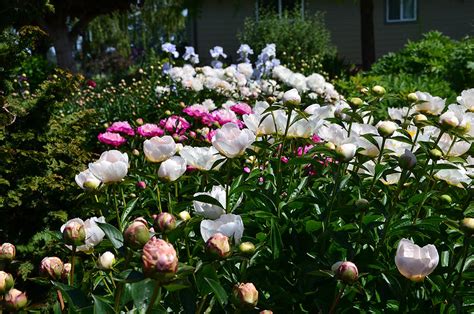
(362, 204)
(7, 252)
(291, 97)
(379, 90)
(435, 154)
(330, 146)
(135, 152)
(141, 184)
(407, 160)
(106, 260)
(218, 245)
(137, 234)
(412, 97)
(356, 102)
(449, 120)
(245, 295)
(467, 225)
(347, 272)
(266, 312)
(386, 128)
(66, 271)
(74, 232)
(165, 222)
(184, 215)
(247, 248)
(446, 198)
(416, 263)
(6, 282)
(52, 267)
(159, 260)
(15, 300)
(420, 120)
(139, 121)
(346, 151)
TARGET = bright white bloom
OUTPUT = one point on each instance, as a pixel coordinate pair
(211, 211)
(416, 263)
(315, 82)
(386, 128)
(390, 179)
(158, 149)
(467, 99)
(455, 177)
(400, 114)
(429, 104)
(231, 141)
(449, 119)
(246, 69)
(291, 97)
(357, 131)
(94, 235)
(172, 168)
(201, 158)
(228, 224)
(346, 151)
(190, 55)
(112, 166)
(333, 133)
(217, 52)
(86, 180)
(304, 128)
(460, 147)
(106, 260)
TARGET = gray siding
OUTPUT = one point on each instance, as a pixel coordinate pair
(220, 20)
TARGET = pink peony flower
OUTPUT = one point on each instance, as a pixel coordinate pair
(197, 111)
(110, 138)
(150, 130)
(241, 108)
(210, 135)
(303, 150)
(208, 119)
(121, 127)
(223, 116)
(316, 139)
(175, 124)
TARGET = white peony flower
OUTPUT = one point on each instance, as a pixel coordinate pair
(158, 149)
(453, 177)
(86, 180)
(211, 211)
(228, 224)
(467, 99)
(416, 263)
(429, 104)
(112, 166)
(291, 97)
(232, 142)
(106, 260)
(172, 168)
(201, 158)
(94, 235)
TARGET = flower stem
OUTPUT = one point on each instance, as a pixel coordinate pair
(337, 299)
(466, 245)
(158, 195)
(156, 297)
(73, 262)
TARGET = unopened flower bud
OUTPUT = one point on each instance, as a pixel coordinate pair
(52, 267)
(135, 152)
(412, 97)
(218, 245)
(74, 233)
(184, 215)
(7, 252)
(245, 295)
(159, 260)
(165, 222)
(435, 154)
(266, 312)
(420, 120)
(364, 90)
(464, 127)
(449, 120)
(139, 121)
(446, 198)
(291, 97)
(346, 272)
(271, 99)
(346, 151)
(247, 248)
(386, 128)
(141, 184)
(15, 300)
(407, 160)
(66, 271)
(137, 234)
(379, 90)
(330, 146)
(106, 260)
(356, 102)
(362, 203)
(168, 113)
(467, 225)
(6, 282)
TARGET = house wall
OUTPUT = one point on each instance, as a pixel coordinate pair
(220, 20)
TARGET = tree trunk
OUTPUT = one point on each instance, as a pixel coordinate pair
(64, 46)
(367, 33)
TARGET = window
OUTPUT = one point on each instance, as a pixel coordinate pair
(401, 10)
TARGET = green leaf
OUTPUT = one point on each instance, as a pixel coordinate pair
(101, 305)
(275, 239)
(128, 210)
(73, 295)
(204, 198)
(313, 225)
(114, 235)
(142, 292)
(129, 275)
(219, 292)
(178, 285)
(206, 272)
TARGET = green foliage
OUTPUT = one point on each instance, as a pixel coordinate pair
(302, 42)
(436, 57)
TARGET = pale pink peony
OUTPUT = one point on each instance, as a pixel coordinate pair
(121, 127)
(113, 139)
(159, 259)
(150, 130)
